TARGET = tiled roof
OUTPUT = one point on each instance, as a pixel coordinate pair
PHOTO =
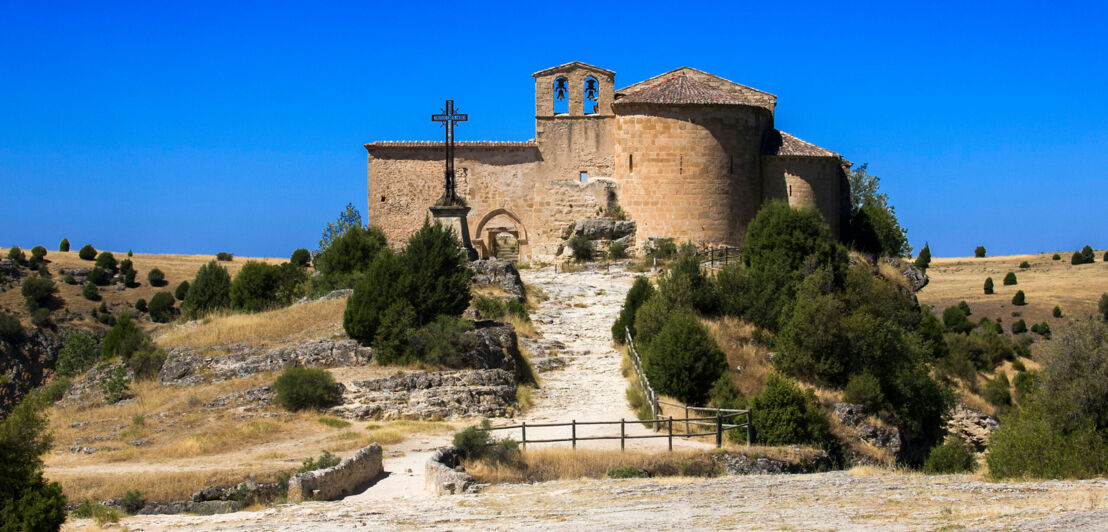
(694, 72)
(783, 144)
(681, 89)
(440, 144)
(572, 64)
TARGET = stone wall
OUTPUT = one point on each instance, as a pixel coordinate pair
(335, 482)
(690, 173)
(806, 182)
(442, 478)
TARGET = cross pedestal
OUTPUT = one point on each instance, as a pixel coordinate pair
(455, 216)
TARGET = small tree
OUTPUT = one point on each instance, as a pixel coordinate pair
(348, 219)
(16, 255)
(1106, 256)
(964, 307)
(1056, 257)
(924, 258)
(27, 500)
(87, 252)
(181, 291)
(1077, 258)
(1087, 255)
(161, 307)
(1057, 312)
(988, 285)
(683, 360)
(90, 292)
(157, 278)
(1019, 300)
(581, 247)
(301, 257)
(38, 291)
(223, 256)
(955, 320)
(141, 305)
(1103, 306)
(783, 414)
(64, 245)
(954, 456)
(641, 290)
(1019, 326)
(38, 252)
(1025, 265)
(253, 287)
(979, 252)
(99, 276)
(106, 261)
(300, 389)
(209, 291)
(79, 352)
(1010, 279)
(10, 328)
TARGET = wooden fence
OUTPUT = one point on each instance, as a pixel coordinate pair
(718, 257)
(717, 422)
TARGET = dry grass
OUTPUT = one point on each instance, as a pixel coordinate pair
(1076, 289)
(157, 485)
(892, 273)
(560, 463)
(317, 319)
(177, 268)
(749, 362)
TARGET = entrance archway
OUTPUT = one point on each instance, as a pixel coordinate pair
(500, 234)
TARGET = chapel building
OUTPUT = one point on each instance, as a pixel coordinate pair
(686, 155)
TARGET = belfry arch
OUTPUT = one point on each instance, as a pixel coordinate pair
(496, 232)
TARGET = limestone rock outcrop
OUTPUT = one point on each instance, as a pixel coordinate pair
(972, 426)
(437, 395)
(189, 366)
(499, 273)
(856, 417)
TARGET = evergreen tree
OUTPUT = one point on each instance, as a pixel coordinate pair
(209, 291)
(924, 258)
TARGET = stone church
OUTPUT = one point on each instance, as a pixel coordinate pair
(685, 154)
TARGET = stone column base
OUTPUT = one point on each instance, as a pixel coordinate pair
(455, 216)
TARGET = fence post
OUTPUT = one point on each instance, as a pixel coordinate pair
(712, 254)
(719, 430)
(622, 434)
(524, 429)
(749, 428)
(573, 429)
(686, 421)
(671, 433)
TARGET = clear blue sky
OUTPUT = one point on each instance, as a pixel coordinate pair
(195, 127)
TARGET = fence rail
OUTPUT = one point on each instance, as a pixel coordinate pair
(719, 257)
(716, 421)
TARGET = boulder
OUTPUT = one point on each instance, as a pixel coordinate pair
(972, 426)
(603, 228)
(878, 435)
(499, 273)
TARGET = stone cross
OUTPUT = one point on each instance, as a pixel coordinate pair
(448, 118)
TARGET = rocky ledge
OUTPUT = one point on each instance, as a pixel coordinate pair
(190, 366)
(437, 395)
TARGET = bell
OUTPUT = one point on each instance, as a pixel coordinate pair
(590, 89)
(560, 88)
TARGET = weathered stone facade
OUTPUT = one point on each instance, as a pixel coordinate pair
(686, 154)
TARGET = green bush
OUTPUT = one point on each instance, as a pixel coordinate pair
(132, 501)
(106, 261)
(300, 389)
(437, 273)
(626, 472)
(582, 248)
(1019, 326)
(99, 276)
(301, 257)
(1103, 306)
(27, 500)
(661, 248)
(35, 264)
(1087, 255)
(965, 308)
(38, 251)
(489, 308)
(326, 460)
(122, 339)
(223, 256)
(352, 251)
(87, 252)
(254, 286)
(641, 290)
(1024, 384)
(1010, 279)
(865, 389)
(38, 292)
(650, 319)
(1056, 257)
(874, 229)
(783, 414)
(10, 328)
(997, 391)
(181, 291)
(955, 320)
(1024, 265)
(161, 307)
(69, 279)
(923, 261)
(126, 266)
(616, 250)
(209, 291)
(1077, 258)
(1057, 312)
(1106, 256)
(685, 284)
(40, 317)
(1019, 300)
(383, 284)
(17, 256)
(1042, 329)
(90, 292)
(953, 456)
(979, 252)
(156, 278)
(988, 285)
(475, 443)
(64, 245)
(78, 353)
(1028, 444)
(683, 360)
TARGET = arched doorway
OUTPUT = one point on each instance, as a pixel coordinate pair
(501, 235)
